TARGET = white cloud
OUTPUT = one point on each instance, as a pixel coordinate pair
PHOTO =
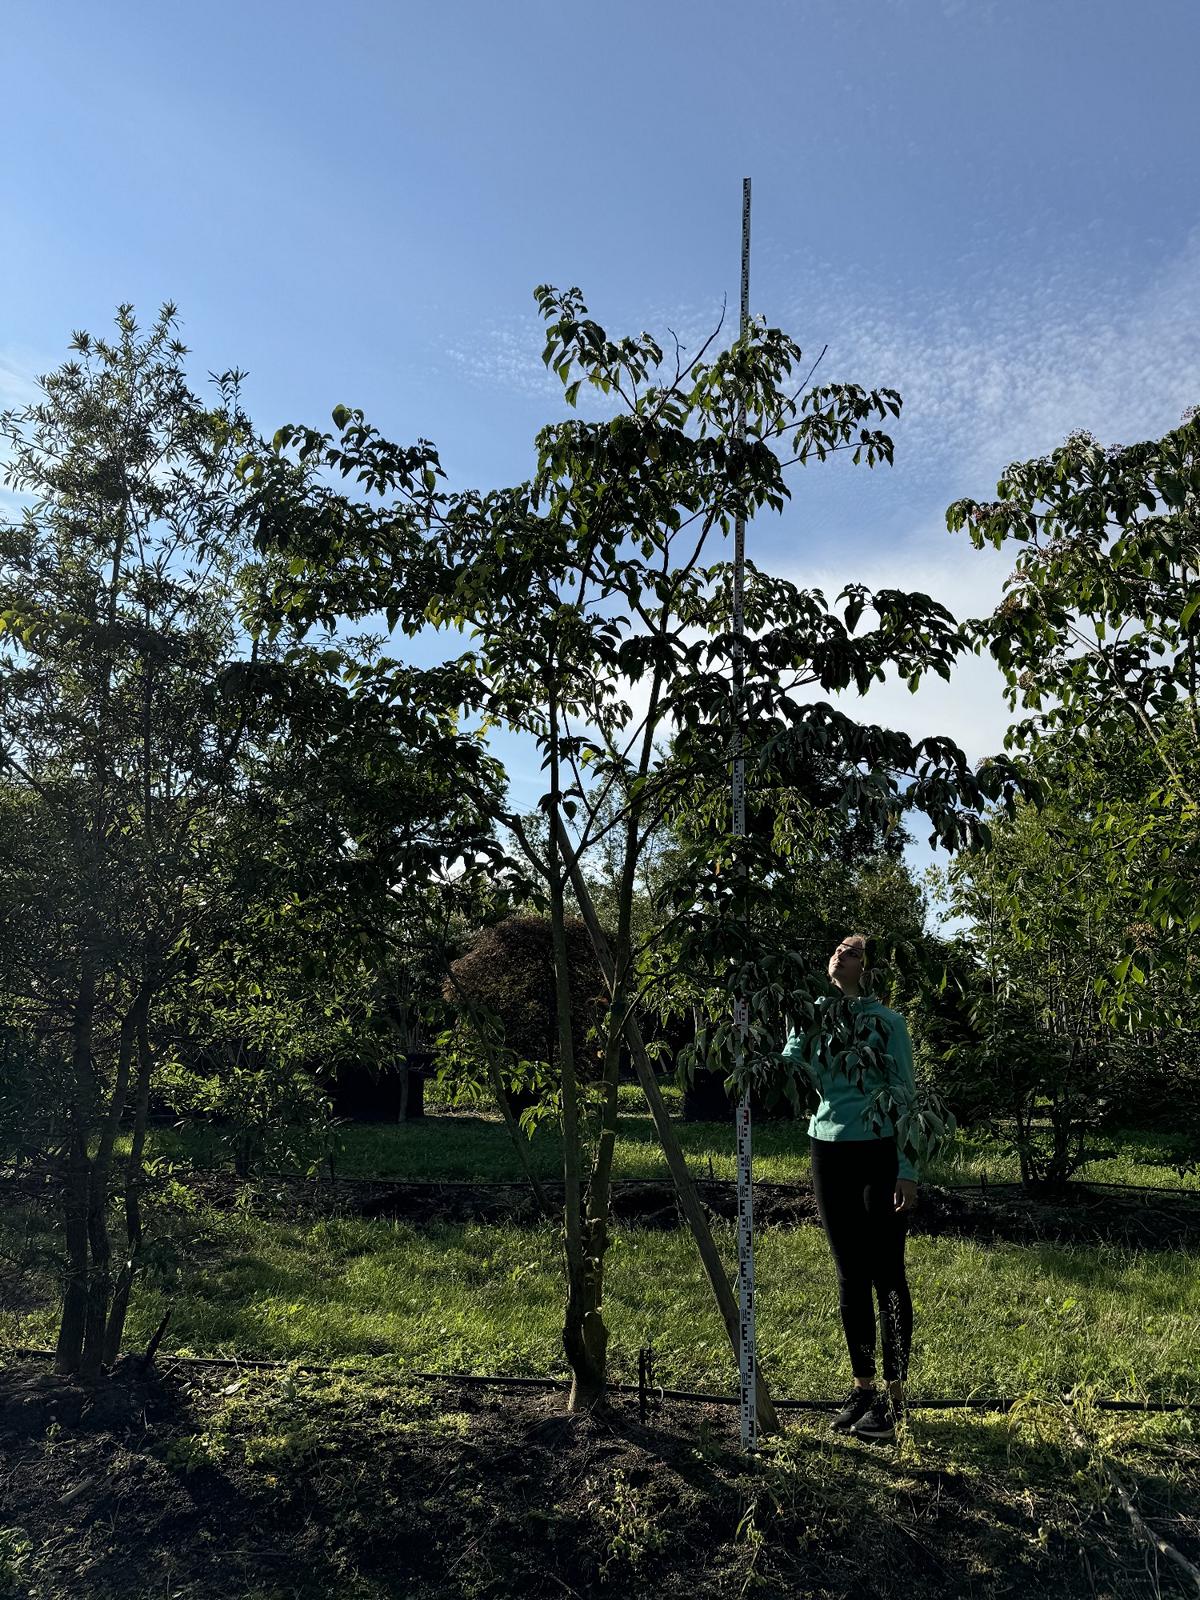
(999, 368)
(18, 386)
(506, 355)
(1006, 370)
(970, 707)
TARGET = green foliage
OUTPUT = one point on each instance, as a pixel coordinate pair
(15, 1551)
(507, 979)
(1097, 637)
(202, 819)
(119, 608)
(630, 1527)
(1052, 917)
(125, 704)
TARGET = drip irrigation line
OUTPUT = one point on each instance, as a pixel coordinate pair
(1137, 1188)
(770, 1186)
(501, 1380)
(701, 1181)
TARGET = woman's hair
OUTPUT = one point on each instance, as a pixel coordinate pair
(865, 944)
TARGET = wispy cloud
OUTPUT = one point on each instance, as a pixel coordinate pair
(18, 381)
(994, 371)
(1005, 377)
(1007, 370)
(504, 356)
(970, 707)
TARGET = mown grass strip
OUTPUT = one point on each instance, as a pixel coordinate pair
(464, 1146)
(989, 1319)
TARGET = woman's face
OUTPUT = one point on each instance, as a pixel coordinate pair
(847, 962)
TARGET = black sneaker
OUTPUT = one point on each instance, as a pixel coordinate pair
(878, 1421)
(858, 1401)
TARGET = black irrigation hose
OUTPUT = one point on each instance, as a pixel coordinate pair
(765, 1185)
(685, 1396)
(700, 1179)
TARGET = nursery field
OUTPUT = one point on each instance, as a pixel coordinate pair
(419, 703)
(984, 1499)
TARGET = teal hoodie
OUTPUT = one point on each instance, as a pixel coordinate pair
(843, 1111)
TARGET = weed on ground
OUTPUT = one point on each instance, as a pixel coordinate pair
(208, 1485)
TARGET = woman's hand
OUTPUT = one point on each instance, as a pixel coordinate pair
(906, 1195)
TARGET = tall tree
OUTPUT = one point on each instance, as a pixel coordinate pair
(148, 738)
(593, 587)
(118, 602)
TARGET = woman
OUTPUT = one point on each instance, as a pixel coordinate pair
(866, 1189)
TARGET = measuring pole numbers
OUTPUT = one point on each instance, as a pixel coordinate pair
(747, 1351)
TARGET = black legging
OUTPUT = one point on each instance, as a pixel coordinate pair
(855, 1184)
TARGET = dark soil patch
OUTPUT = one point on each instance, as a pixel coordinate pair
(1145, 1219)
(1081, 1216)
(197, 1485)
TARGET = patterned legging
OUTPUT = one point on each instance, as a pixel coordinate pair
(855, 1181)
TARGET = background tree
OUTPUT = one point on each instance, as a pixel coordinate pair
(169, 780)
(508, 974)
(118, 601)
(1098, 631)
(1050, 915)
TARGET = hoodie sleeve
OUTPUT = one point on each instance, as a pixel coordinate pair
(902, 1078)
(793, 1051)
(794, 1054)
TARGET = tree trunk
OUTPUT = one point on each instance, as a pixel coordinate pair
(689, 1200)
(134, 1176)
(75, 1288)
(595, 1223)
(73, 1322)
(100, 1285)
(585, 1338)
(243, 1156)
(588, 1384)
(520, 1143)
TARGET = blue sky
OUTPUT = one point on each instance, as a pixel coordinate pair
(994, 207)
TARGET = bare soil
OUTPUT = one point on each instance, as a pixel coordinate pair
(199, 1484)
(1145, 1220)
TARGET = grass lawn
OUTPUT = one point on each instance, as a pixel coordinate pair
(1018, 1494)
(989, 1319)
(457, 1145)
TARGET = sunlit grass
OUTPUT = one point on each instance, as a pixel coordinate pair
(995, 1319)
(460, 1146)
